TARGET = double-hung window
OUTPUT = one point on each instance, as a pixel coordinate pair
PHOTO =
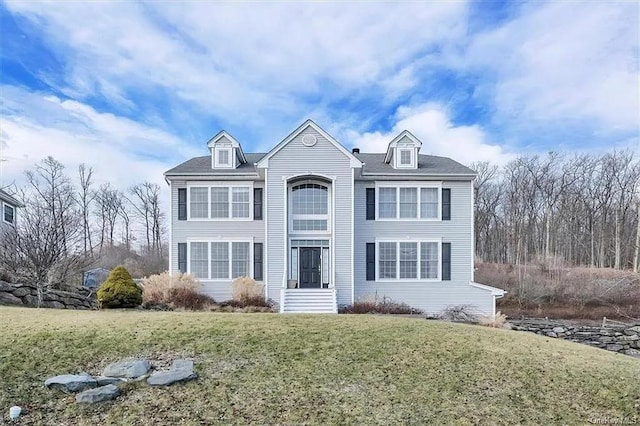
(220, 260)
(220, 202)
(418, 202)
(9, 214)
(408, 260)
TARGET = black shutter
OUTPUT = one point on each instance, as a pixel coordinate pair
(257, 204)
(371, 261)
(371, 204)
(257, 261)
(182, 257)
(446, 261)
(446, 204)
(182, 203)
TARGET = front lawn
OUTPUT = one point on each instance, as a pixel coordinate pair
(322, 369)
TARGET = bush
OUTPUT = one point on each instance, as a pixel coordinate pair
(255, 301)
(157, 288)
(119, 290)
(459, 313)
(385, 306)
(190, 299)
(247, 289)
(498, 322)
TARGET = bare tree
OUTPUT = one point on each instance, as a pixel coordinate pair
(109, 205)
(145, 199)
(85, 199)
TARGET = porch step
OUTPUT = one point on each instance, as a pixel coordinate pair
(321, 300)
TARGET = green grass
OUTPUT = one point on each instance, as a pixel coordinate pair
(292, 369)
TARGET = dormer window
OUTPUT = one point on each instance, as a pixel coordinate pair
(226, 152)
(223, 158)
(402, 152)
(405, 157)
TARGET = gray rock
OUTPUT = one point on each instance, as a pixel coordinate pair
(53, 304)
(103, 381)
(21, 291)
(127, 369)
(606, 339)
(103, 393)
(615, 347)
(551, 334)
(182, 364)
(632, 352)
(559, 329)
(9, 299)
(630, 337)
(69, 383)
(31, 300)
(166, 378)
(5, 286)
(633, 330)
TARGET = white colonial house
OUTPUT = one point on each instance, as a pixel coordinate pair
(324, 227)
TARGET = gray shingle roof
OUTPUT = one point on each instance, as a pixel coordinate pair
(202, 165)
(9, 199)
(374, 164)
(427, 165)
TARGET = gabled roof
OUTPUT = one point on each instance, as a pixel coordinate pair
(428, 165)
(394, 143)
(264, 162)
(234, 141)
(202, 166)
(9, 199)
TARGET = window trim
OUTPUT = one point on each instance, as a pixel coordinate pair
(216, 160)
(292, 217)
(4, 206)
(418, 270)
(229, 186)
(230, 242)
(411, 164)
(418, 186)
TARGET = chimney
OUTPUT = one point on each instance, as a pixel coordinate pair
(355, 151)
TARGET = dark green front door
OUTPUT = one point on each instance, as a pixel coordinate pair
(310, 267)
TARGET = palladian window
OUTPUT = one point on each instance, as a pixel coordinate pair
(309, 208)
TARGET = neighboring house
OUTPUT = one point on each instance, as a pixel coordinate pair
(9, 210)
(323, 227)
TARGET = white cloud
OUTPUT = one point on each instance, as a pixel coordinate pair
(430, 123)
(121, 151)
(564, 61)
(242, 60)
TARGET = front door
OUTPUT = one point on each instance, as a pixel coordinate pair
(310, 267)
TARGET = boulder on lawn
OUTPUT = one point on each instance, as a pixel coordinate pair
(103, 381)
(167, 378)
(182, 364)
(103, 393)
(127, 369)
(70, 383)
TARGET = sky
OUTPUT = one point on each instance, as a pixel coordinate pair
(135, 88)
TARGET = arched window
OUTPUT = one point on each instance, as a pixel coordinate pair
(309, 207)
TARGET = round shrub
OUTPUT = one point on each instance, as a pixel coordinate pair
(119, 290)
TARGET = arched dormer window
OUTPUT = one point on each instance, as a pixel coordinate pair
(309, 208)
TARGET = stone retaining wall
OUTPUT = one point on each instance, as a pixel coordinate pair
(27, 295)
(616, 338)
